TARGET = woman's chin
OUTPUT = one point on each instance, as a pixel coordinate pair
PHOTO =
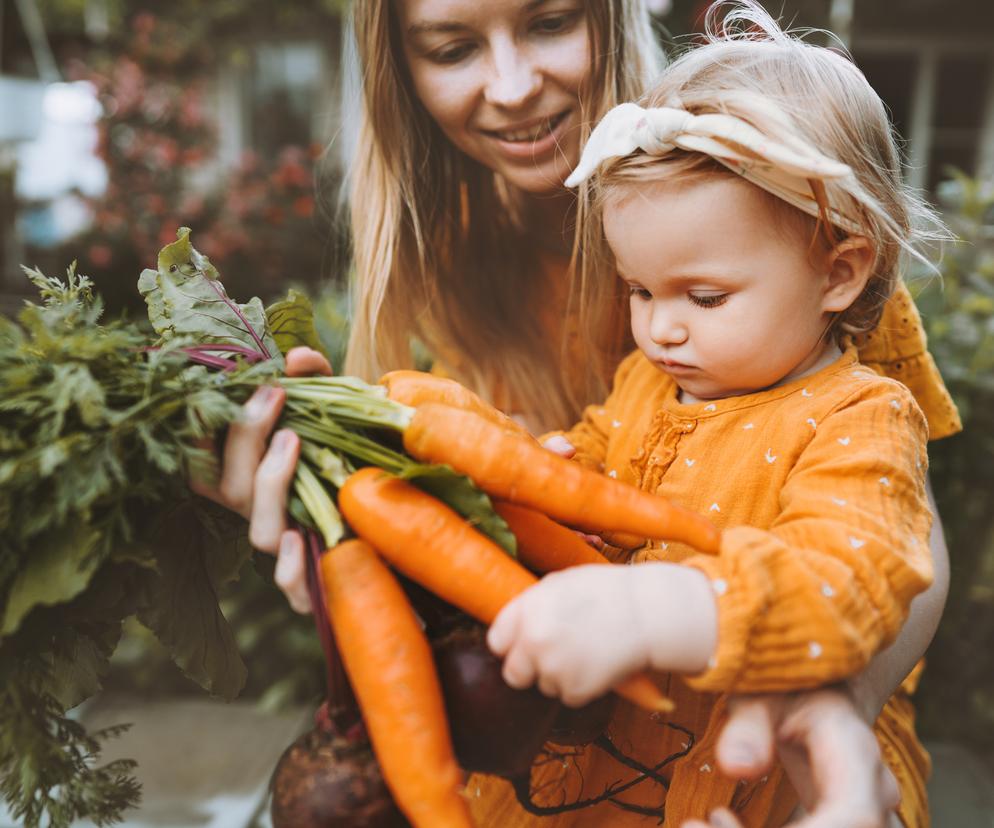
(542, 179)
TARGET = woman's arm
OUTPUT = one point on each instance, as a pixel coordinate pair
(884, 674)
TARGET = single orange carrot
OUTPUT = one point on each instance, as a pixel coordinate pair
(415, 388)
(510, 467)
(390, 665)
(432, 545)
(543, 544)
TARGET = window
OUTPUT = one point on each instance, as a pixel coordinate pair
(941, 97)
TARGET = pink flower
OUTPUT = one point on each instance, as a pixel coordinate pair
(100, 255)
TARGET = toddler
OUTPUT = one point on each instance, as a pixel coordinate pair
(752, 203)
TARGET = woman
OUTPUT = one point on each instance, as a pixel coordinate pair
(474, 113)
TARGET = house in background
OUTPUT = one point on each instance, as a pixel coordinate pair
(932, 61)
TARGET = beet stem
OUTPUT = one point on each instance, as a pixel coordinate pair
(343, 709)
(522, 783)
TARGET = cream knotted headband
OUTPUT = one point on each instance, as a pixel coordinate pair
(787, 167)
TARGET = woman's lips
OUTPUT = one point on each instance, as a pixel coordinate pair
(548, 132)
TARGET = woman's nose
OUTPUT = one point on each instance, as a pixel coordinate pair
(514, 78)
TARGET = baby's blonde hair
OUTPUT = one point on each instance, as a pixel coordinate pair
(749, 67)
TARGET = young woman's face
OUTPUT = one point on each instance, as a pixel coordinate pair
(502, 79)
(722, 299)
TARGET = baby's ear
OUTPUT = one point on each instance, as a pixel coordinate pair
(849, 267)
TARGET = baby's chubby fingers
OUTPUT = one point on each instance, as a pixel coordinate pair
(520, 670)
(504, 630)
(504, 640)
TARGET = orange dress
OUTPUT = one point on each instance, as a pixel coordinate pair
(897, 347)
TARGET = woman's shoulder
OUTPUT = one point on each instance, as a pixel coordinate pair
(897, 348)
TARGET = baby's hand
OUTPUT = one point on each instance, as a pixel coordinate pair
(576, 632)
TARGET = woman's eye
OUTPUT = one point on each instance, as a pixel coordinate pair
(639, 293)
(708, 300)
(452, 54)
(556, 23)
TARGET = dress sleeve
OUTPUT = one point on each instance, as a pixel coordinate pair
(897, 348)
(814, 597)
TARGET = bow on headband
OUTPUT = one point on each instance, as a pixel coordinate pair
(785, 168)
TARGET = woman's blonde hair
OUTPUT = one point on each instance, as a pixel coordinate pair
(440, 251)
(749, 67)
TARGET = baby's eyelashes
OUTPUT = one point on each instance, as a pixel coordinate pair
(708, 300)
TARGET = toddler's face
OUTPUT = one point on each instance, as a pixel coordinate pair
(722, 298)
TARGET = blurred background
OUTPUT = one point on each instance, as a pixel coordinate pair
(121, 120)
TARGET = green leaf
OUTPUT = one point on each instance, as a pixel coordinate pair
(291, 322)
(78, 662)
(195, 557)
(185, 298)
(460, 494)
(60, 567)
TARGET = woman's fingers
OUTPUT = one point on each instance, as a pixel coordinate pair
(302, 361)
(745, 747)
(291, 571)
(245, 447)
(835, 764)
(272, 484)
(719, 818)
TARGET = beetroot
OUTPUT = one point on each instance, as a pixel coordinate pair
(582, 725)
(324, 780)
(495, 729)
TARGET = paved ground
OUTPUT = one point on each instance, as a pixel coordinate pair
(207, 765)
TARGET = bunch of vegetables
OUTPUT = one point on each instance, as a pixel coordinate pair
(99, 429)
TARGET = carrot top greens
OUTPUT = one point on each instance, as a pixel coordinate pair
(101, 423)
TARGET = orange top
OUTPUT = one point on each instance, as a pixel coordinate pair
(821, 482)
(897, 348)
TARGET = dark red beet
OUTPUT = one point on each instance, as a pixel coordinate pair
(581, 725)
(495, 729)
(326, 781)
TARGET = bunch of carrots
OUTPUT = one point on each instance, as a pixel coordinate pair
(382, 645)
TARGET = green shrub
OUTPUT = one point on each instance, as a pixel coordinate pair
(956, 702)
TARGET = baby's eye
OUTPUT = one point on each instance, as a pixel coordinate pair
(639, 293)
(708, 300)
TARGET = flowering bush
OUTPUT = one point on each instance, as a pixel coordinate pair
(157, 137)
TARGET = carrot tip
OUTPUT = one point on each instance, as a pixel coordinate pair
(663, 705)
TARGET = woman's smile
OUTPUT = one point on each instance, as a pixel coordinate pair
(533, 139)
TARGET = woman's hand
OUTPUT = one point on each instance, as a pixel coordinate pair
(828, 751)
(256, 473)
